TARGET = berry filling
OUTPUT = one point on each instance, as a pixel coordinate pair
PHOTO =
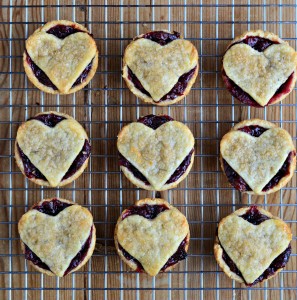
(151, 212)
(31, 171)
(259, 44)
(239, 183)
(61, 32)
(155, 122)
(53, 208)
(163, 38)
(254, 216)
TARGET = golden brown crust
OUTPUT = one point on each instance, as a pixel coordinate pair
(261, 74)
(155, 153)
(245, 146)
(91, 44)
(90, 249)
(182, 56)
(153, 271)
(218, 250)
(41, 181)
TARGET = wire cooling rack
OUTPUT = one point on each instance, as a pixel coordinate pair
(103, 108)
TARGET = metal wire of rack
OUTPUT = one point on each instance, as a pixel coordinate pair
(103, 107)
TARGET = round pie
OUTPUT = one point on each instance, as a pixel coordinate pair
(252, 245)
(257, 157)
(259, 68)
(160, 67)
(152, 236)
(61, 57)
(52, 149)
(156, 152)
(57, 236)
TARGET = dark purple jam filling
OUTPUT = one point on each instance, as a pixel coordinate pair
(239, 183)
(50, 120)
(31, 171)
(150, 212)
(254, 216)
(176, 91)
(61, 32)
(161, 37)
(146, 211)
(155, 122)
(259, 44)
(53, 208)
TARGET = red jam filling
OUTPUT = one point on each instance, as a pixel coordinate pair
(53, 208)
(259, 44)
(163, 38)
(239, 183)
(151, 212)
(61, 32)
(254, 216)
(154, 122)
(31, 171)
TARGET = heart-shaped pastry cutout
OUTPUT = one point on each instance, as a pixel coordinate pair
(56, 239)
(153, 242)
(260, 74)
(51, 150)
(156, 153)
(157, 67)
(253, 247)
(63, 60)
(256, 159)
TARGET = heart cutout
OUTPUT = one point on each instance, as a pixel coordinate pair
(157, 67)
(56, 239)
(62, 60)
(156, 153)
(256, 159)
(153, 242)
(238, 237)
(260, 74)
(52, 150)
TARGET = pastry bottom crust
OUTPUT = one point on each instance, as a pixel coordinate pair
(84, 261)
(139, 183)
(148, 99)
(131, 263)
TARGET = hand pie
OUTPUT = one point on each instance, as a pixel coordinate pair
(61, 57)
(156, 152)
(52, 149)
(58, 236)
(258, 157)
(160, 67)
(252, 245)
(259, 68)
(152, 236)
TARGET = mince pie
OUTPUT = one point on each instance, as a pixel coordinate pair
(61, 57)
(156, 152)
(52, 149)
(152, 236)
(252, 245)
(258, 157)
(58, 236)
(259, 68)
(160, 67)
